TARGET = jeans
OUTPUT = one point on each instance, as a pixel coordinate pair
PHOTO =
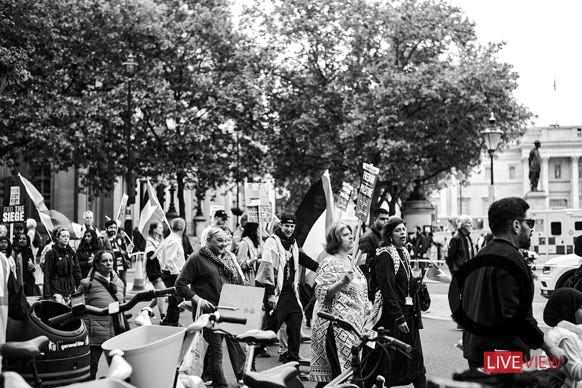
(214, 358)
(173, 311)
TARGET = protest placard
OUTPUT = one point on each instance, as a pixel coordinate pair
(344, 196)
(241, 301)
(364, 202)
(366, 191)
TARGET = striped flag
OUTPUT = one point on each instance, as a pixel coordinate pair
(152, 211)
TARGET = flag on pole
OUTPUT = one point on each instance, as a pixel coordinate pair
(152, 211)
(49, 218)
(314, 215)
(317, 202)
(38, 201)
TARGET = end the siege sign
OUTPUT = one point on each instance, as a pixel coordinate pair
(12, 214)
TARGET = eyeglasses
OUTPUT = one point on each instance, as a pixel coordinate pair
(529, 221)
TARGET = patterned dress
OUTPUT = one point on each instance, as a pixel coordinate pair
(350, 303)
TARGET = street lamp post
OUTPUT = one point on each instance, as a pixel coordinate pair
(130, 68)
(492, 138)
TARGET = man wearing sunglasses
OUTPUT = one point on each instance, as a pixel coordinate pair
(494, 294)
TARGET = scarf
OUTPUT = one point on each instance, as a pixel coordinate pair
(225, 264)
(562, 305)
(376, 314)
(287, 242)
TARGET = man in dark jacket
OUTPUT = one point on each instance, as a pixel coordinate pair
(493, 294)
(201, 281)
(461, 247)
(370, 241)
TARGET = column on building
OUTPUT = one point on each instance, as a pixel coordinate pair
(545, 179)
(525, 177)
(443, 211)
(454, 198)
(575, 183)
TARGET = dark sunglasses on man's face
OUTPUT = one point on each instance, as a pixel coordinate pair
(529, 221)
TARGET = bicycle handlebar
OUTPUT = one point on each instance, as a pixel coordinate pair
(338, 321)
(91, 310)
(393, 342)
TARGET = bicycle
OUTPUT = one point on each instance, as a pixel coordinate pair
(28, 352)
(287, 375)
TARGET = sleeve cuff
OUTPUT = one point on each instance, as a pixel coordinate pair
(400, 319)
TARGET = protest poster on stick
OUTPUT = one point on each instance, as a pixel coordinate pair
(344, 197)
(364, 201)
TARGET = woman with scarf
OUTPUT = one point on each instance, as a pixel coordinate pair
(62, 272)
(397, 307)
(201, 281)
(101, 288)
(341, 289)
(24, 259)
(563, 313)
(248, 251)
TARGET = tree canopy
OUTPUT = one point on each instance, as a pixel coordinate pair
(400, 84)
(298, 86)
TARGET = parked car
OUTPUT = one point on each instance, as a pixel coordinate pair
(558, 272)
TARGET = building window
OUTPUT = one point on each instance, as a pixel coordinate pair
(40, 177)
(558, 171)
(558, 203)
(556, 228)
(512, 172)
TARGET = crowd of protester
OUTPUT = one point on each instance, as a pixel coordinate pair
(379, 288)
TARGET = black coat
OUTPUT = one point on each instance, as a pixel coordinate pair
(492, 295)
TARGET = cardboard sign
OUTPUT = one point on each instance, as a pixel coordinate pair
(366, 191)
(248, 302)
(253, 214)
(14, 195)
(344, 196)
(11, 214)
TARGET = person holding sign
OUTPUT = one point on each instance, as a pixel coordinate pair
(341, 291)
(395, 289)
(279, 271)
(201, 281)
(370, 241)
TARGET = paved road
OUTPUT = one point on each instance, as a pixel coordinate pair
(439, 336)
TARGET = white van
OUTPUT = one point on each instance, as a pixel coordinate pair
(555, 231)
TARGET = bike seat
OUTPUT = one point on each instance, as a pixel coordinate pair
(25, 349)
(257, 337)
(277, 377)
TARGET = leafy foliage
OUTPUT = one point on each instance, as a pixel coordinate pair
(400, 84)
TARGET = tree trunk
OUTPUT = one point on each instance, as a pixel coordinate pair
(181, 205)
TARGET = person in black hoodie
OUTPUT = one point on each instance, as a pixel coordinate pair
(62, 273)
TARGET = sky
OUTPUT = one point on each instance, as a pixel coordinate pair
(544, 42)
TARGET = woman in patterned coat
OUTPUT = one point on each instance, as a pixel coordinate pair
(341, 290)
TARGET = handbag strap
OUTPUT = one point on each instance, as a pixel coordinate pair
(106, 286)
